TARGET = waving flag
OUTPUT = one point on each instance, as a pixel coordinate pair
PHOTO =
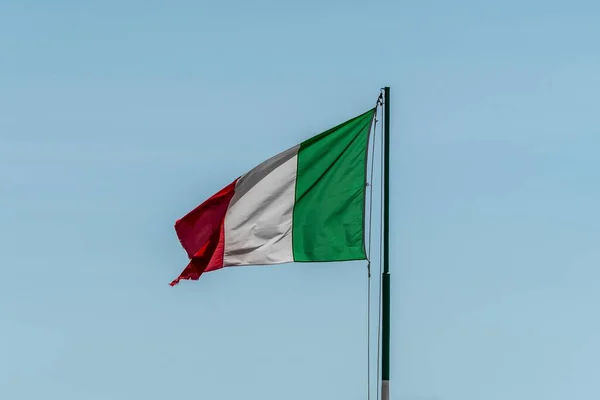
(306, 204)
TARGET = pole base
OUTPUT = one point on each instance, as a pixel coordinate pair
(385, 390)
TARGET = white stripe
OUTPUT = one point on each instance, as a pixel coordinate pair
(258, 223)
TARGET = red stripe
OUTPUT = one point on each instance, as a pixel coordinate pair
(201, 233)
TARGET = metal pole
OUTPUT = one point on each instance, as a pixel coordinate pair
(385, 348)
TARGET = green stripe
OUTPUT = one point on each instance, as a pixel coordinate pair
(328, 220)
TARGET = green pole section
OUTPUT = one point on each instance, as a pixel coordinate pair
(385, 349)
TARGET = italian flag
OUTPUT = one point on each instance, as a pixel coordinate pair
(306, 204)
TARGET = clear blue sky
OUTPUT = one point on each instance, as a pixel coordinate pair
(117, 117)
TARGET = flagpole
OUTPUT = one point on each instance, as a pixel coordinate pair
(385, 303)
